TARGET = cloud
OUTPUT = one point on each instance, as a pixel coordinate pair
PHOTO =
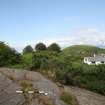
(88, 36)
(19, 48)
(82, 36)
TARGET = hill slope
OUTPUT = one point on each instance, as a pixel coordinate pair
(78, 52)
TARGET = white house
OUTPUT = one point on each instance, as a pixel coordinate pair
(96, 59)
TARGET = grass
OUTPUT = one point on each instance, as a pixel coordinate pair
(59, 84)
(46, 101)
(26, 62)
(17, 66)
(26, 85)
(69, 98)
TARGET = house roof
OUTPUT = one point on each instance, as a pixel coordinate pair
(96, 58)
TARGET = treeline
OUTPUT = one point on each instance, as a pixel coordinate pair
(9, 56)
(42, 47)
(40, 56)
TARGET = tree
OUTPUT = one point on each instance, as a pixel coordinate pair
(54, 47)
(40, 47)
(27, 49)
(8, 55)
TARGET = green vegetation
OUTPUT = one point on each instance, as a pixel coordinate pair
(69, 98)
(27, 60)
(43, 59)
(70, 70)
(8, 56)
(90, 77)
(65, 67)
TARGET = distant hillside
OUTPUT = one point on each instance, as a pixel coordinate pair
(78, 52)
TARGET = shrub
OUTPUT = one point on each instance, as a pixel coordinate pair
(43, 60)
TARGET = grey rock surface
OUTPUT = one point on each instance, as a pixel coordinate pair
(39, 82)
(8, 87)
(8, 95)
(86, 97)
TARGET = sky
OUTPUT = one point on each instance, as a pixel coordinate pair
(66, 22)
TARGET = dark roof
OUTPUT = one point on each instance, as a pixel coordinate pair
(96, 58)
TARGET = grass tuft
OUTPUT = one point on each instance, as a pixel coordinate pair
(69, 98)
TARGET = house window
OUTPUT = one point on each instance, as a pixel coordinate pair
(102, 61)
(86, 59)
(93, 62)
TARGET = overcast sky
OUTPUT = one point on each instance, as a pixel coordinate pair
(66, 22)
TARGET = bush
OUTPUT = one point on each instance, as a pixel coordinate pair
(85, 76)
(43, 60)
(97, 86)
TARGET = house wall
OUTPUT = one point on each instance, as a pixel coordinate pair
(90, 63)
(87, 62)
(97, 63)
